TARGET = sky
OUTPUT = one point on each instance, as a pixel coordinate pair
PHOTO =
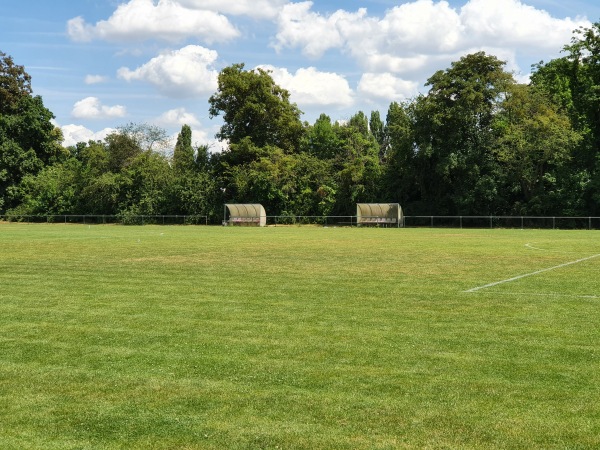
(101, 64)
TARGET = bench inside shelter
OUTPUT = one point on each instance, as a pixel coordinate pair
(379, 214)
(245, 214)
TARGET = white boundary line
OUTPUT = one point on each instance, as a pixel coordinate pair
(479, 288)
(530, 246)
(549, 294)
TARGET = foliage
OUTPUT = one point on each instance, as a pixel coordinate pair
(535, 143)
(454, 136)
(15, 83)
(28, 142)
(183, 155)
(286, 184)
(254, 107)
(321, 139)
(476, 143)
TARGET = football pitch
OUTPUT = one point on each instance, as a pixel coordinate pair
(185, 337)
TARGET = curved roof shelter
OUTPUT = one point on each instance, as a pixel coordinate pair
(246, 214)
(380, 214)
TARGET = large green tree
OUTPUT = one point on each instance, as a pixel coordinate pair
(535, 145)
(573, 81)
(28, 139)
(454, 136)
(255, 107)
(15, 83)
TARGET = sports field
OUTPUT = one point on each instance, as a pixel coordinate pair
(183, 337)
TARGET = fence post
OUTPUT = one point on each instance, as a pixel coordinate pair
(491, 224)
(461, 222)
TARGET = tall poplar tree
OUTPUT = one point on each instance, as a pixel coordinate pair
(183, 154)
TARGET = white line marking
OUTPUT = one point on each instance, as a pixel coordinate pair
(530, 246)
(549, 294)
(535, 248)
(475, 289)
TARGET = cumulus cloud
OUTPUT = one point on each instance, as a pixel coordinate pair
(180, 73)
(178, 116)
(513, 23)
(314, 33)
(308, 86)
(387, 87)
(73, 134)
(169, 20)
(413, 37)
(95, 79)
(259, 9)
(92, 108)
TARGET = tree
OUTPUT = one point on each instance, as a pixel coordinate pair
(400, 168)
(15, 83)
(28, 142)
(285, 184)
(53, 190)
(146, 136)
(183, 155)
(358, 168)
(454, 136)
(254, 107)
(377, 128)
(575, 81)
(534, 145)
(146, 182)
(321, 139)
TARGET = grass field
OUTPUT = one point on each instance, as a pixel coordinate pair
(116, 337)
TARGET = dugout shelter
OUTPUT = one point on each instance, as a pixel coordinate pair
(249, 214)
(379, 214)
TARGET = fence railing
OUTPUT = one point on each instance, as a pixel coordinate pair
(108, 219)
(522, 222)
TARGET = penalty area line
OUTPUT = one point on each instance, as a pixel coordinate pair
(508, 280)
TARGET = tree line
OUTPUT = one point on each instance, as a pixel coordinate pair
(477, 143)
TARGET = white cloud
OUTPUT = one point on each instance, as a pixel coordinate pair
(178, 116)
(314, 33)
(312, 87)
(259, 9)
(181, 73)
(77, 133)
(387, 87)
(95, 79)
(513, 23)
(422, 26)
(92, 108)
(416, 37)
(139, 20)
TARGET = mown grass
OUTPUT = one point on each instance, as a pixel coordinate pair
(205, 337)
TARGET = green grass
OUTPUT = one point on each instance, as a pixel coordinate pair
(119, 337)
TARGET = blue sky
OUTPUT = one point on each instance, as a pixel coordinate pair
(99, 64)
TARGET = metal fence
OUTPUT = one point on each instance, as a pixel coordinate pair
(516, 222)
(94, 219)
(522, 222)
